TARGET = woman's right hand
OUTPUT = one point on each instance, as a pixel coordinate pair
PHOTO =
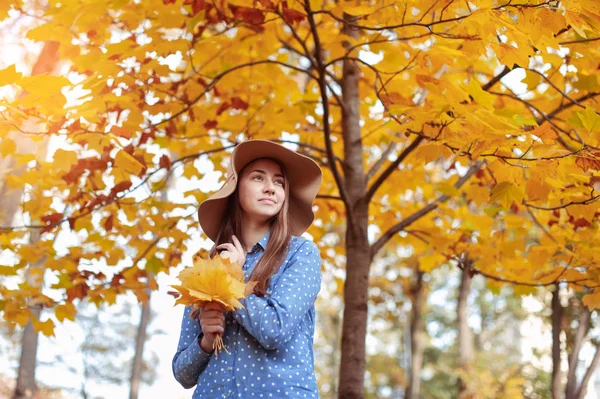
(212, 321)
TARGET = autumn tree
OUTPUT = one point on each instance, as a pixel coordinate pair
(448, 128)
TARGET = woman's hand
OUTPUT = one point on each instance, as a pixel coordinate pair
(212, 321)
(234, 252)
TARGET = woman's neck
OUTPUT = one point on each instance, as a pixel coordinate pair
(252, 232)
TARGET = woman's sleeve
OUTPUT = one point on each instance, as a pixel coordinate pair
(190, 360)
(273, 320)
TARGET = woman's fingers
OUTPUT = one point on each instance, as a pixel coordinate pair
(214, 306)
(213, 329)
(227, 246)
(238, 244)
(215, 318)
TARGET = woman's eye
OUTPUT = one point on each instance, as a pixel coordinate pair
(280, 182)
(257, 177)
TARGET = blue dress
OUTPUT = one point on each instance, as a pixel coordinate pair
(270, 340)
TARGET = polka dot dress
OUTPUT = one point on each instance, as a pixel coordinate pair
(270, 340)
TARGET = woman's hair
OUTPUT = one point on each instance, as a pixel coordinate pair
(279, 238)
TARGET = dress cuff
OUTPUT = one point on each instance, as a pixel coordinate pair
(196, 352)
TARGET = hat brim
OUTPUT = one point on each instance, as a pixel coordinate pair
(304, 180)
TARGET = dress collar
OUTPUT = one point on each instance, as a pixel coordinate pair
(262, 243)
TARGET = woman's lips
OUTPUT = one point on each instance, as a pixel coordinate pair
(267, 201)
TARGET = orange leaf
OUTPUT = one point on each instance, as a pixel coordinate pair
(290, 15)
(589, 161)
(52, 219)
(250, 15)
(108, 223)
(544, 132)
(165, 162)
(121, 132)
(238, 103)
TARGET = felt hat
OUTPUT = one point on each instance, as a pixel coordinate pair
(303, 178)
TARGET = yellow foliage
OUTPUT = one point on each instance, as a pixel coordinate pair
(213, 280)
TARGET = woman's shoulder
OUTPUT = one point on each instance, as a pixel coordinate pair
(302, 244)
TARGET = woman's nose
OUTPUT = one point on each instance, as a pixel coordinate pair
(268, 187)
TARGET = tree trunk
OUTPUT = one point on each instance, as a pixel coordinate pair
(26, 386)
(465, 336)
(416, 339)
(335, 353)
(26, 375)
(358, 253)
(588, 375)
(47, 62)
(582, 329)
(556, 327)
(140, 340)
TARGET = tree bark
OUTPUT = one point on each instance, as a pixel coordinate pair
(26, 385)
(416, 338)
(582, 329)
(588, 375)
(26, 375)
(140, 340)
(47, 62)
(465, 336)
(358, 254)
(556, 327)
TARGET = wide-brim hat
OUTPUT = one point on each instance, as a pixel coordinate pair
(303, 178)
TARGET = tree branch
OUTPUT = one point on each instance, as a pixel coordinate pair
(569, 105)
(225, 73)
(388, 171)
(426, 25)
(381, 161)
(551, 83)
(325, 101)
(377, 245)
(588, 374)
(496, 79)
(586, 202)
(593, 39)
(541, 226)
(116, 198)
(525, 283)
(582, 329)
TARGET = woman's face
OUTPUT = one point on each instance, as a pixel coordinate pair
(261, 190)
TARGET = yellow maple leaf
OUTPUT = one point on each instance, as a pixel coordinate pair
(505, 193)
(531, 79)
(509, 55)
(63, 160)
(479, 95)
(359, 10)
(46, 327)
(7, 147)
(66, 311)
(590, 119)
(128, 163)
(212, 280)
(9, 76)
(592, 301)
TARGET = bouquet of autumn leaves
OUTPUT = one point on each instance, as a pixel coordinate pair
(219, 280)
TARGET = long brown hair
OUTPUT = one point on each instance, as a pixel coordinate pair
(279, 238)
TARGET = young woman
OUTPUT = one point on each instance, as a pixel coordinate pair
(257, 217)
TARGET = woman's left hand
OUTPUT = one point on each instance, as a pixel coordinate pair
(234, 252)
